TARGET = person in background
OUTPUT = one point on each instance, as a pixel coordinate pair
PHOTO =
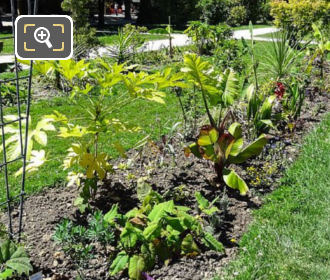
(116, 9)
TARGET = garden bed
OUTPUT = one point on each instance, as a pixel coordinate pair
(176, 178)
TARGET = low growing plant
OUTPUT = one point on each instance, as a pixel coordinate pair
(158, 231)
(14, 261)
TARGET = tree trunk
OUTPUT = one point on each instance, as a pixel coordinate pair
(128, 9)
(21, 7)
(145, 12)
(101, 13)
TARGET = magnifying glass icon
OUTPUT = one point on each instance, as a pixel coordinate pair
(41, 35)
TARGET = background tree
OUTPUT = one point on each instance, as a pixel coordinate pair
(128, 4)
(298, 16)
(214, 11)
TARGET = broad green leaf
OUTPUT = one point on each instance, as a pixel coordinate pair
(203, 203)
(210, 241)
(130, 235)
(188, 245)
(152, 231)
(6, 274)
(160, 210)
(235, 130)
(119, 263)
(15, 258)
(209, 139)
(233, 181)
(136, 267)
(254, 149)
(111, 215)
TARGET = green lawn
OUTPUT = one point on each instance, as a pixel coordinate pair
(290, 237)
(154, 119)
(8, 44)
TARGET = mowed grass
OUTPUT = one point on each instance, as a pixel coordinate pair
(153, 118)
(8, 44)
(290, 237)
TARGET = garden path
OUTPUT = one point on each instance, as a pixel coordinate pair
(179, 40)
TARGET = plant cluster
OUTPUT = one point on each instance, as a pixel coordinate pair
(297, 16)
(207, 37)
(158, 231)
(78, 241)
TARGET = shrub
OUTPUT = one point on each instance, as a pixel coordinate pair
(207, 37)
(84, 36)
(237, 16)
(214, 11)
(298, 16)
(230, 54)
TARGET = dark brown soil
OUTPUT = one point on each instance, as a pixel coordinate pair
(175, 178)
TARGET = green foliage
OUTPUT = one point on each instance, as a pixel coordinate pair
(96, 87)
(38, 135)
(13, 260)
(224, 148)
(230, 54)
(79, 241)
(259, 109)
(321, 50)
(207, 37)
(294, 99)
(205, 206)
(157, 230)
(237, 16)
(259, 102)
(281, 57)
(297, 16)
(129, 39)
(8, 93)
(220, 89)
(214, 11)
(84, 36)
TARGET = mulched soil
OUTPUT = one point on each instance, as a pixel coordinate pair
(175, 178)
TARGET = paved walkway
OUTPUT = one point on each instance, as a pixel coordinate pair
(179, 40)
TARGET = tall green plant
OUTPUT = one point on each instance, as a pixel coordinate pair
(321, 50)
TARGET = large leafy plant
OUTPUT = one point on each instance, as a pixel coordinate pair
(158, 230)
(96, 119)
(223, 148)
(13, 260)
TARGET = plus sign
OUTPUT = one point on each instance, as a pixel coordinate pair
(42, 34)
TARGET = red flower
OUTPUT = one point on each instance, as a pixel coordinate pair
(279, 90)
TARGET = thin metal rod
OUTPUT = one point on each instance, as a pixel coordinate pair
(10, 122)
(26, 143)
(10, 161)
(10, 228)
(14, 79)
